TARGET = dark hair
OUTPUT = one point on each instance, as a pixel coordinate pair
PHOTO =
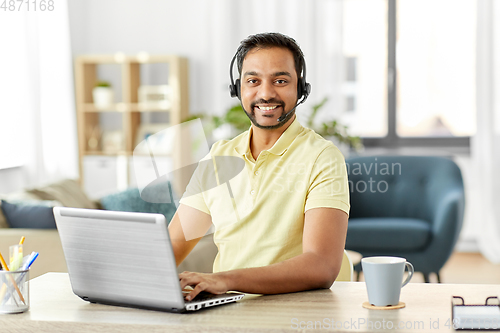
(270, 39)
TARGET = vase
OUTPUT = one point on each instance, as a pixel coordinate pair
(103, 97)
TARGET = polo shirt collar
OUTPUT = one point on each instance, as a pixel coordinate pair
(279, 147)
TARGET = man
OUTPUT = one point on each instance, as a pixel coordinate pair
(291, 234)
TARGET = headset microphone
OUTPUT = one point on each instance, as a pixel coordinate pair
(289, 114)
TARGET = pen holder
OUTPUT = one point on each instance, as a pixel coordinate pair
(14, 291)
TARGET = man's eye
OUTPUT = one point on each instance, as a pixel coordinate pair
(252, 81)
(281, 81)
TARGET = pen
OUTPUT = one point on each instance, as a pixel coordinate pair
(30, 261)
(12, 279)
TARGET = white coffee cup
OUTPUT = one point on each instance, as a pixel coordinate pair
(383, 276)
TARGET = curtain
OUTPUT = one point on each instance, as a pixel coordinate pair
(37, 110)
(485, 145)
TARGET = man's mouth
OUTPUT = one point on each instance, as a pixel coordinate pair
(267, 108)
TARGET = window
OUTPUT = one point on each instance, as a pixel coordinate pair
(410, 71)
(364, 47)
(14, 87)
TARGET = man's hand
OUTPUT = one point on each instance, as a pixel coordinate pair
(317, 267)
(212, 283)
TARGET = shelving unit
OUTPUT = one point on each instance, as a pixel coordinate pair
(98, 161)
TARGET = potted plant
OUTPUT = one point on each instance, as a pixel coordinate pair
(334, 131)
(103, 95)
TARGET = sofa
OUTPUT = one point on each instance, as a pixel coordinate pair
(42, 237)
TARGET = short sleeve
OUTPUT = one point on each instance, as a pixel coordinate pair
(328, 182)
(193, 196)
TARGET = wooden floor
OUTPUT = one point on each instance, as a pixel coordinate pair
(465, 268)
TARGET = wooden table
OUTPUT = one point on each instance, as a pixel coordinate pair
(54, 308)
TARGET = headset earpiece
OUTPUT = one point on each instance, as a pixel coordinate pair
(307, 90)
(303, 89)
(237, 88)
(234, 89)
(234, 86)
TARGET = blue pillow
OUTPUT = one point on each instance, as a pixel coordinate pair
(28, 216)
(130, 201)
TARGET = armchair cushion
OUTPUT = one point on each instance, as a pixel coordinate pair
(388, 234)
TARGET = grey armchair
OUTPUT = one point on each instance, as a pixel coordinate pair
(407, 206)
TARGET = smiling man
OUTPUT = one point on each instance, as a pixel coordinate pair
(291, 235)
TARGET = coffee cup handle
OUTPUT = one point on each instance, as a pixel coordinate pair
(410, 273)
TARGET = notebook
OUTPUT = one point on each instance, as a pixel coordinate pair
(125, 259)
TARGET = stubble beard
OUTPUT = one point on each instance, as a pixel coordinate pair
(253, 119)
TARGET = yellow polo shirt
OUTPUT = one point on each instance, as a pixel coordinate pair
(258, 206)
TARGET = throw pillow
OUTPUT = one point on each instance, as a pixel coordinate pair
(28, 216)
(15, 198)
(130, 201)
(68, 192)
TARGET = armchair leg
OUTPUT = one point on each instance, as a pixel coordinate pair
(426, 277)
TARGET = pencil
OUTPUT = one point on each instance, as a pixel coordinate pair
(12, 279)
(4, 264)
(21, 242)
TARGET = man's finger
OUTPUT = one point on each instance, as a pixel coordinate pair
(199, 288)
(189, 280)
(183, 274)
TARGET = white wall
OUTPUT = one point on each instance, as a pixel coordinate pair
(12, 180)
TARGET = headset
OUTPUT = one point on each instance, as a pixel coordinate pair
(303, 88)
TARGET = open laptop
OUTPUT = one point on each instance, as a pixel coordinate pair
(125, 259)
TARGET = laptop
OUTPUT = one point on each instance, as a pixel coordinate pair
(125, 259)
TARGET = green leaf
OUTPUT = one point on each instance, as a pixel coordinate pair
(103, 84)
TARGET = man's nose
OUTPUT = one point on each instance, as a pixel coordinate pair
(266, 90)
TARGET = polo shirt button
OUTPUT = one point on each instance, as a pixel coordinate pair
(257, 173)
(252, 192)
